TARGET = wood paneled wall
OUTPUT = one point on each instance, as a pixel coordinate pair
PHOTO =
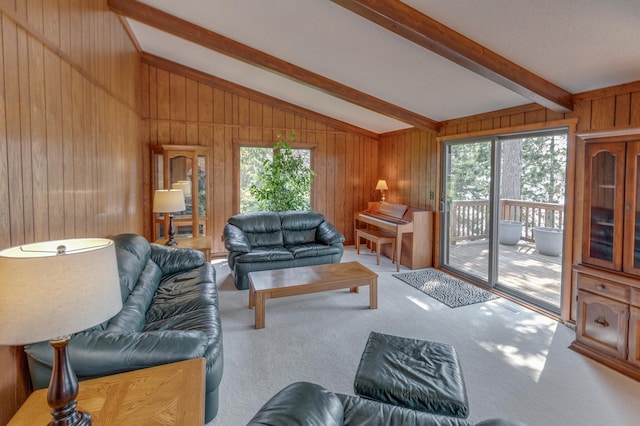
(409, 164)
(70, 156)
(183, 107)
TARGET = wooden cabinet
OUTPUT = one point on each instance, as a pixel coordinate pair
(608, 278)
(603, 324)
(185, 168)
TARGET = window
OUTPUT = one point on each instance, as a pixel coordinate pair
(252, 159)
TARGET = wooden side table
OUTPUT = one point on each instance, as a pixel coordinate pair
(171, 394)
(202, 244)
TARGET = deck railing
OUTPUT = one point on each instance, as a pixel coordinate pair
(469, 220)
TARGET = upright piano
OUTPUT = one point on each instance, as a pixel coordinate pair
(413, 229)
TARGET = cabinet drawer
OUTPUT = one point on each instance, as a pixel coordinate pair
(635, 297)
(634, 336)
(619, 292)
(602, 324)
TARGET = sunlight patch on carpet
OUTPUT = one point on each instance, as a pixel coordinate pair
(446, 289)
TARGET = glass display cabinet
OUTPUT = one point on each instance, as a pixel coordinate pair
(608, 277)
(185, 168)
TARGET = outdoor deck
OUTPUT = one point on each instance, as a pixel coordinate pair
(521, 267)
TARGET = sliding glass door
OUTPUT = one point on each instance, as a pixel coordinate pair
(467, 211)
(502, 198)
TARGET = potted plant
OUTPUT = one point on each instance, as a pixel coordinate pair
(509, 232)
(548, 240)
(285, 181)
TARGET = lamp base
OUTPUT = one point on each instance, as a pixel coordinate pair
(63, 389)
(69, 416)
(172, 232)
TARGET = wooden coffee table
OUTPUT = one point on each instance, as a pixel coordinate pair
(286, 282)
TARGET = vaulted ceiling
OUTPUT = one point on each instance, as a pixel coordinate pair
(388, 65)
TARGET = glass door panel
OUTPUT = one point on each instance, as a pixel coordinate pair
(531, 207)
(632, 216)
(466, 208)
(604, 198)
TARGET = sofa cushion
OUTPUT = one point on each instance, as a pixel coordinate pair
(131, 317)
(313, 249)
(261, 228)
(132, 253)
(300, 227)
(181, 293)
(265, 254)
(300, 403)
(175, 259)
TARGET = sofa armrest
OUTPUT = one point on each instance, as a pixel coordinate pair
(103, 353)
(300, 403)
(327, 234)
(171, 260)
(235, 239)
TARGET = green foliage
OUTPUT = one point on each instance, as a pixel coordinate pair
(542, 176)
(284, 182)
(471, 166)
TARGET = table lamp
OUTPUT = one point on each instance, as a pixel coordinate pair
(382, 186)
(169, 201)
(51, 290)
(183, 185)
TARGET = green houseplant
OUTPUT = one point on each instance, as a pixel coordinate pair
(285, 181)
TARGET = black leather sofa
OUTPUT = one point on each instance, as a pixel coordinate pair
(170, 313)
(260, 241)
(309, 404)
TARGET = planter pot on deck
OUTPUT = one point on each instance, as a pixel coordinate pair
(548, 241)
(509, 232)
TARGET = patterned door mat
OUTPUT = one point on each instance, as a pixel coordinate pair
(446, 289)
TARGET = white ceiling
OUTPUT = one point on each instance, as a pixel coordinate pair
(578, 45)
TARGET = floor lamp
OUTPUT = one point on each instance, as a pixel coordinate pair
(169, 201)
(51, 290)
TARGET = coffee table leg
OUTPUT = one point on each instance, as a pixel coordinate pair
(373, 293)
(252, 296)
(354, 289)
(259, 303)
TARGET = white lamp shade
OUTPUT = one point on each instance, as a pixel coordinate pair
(168, 201)
(46, 295)
(184, 186)
(382, 185)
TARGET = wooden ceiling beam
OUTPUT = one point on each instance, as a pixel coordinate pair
(229, 86)
(168, 23)
(413, 25)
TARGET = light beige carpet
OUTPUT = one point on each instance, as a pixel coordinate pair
(516, 363)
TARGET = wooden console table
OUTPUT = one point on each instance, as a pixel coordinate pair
(202, 244)
(171, 394)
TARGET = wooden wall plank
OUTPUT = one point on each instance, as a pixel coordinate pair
(65, 169)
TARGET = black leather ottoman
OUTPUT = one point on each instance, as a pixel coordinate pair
(412, 373)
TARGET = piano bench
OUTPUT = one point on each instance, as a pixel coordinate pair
(378, 237)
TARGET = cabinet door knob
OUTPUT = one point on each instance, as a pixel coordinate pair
(601, 287)
(601, 322)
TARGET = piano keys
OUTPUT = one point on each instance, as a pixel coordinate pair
(413, 229)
